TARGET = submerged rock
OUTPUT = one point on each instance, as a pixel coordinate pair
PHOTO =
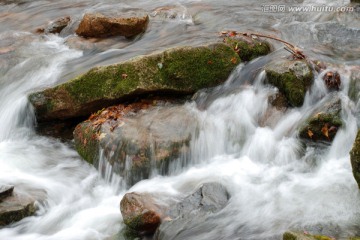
(137, 139)
(184, 217)
(16, 207)
(56, 26)
(182, 70)
(141, 212)
(355, 158)
(292, 78)
(354, 86)
(304, 236)
(324, 123)
(100, 26)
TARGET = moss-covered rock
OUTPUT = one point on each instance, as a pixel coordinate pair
(137, 139)
(325, 121)
(292, 78)
(182, 70)
(304, 236)
(355, 158)
(141, 212)
(247, 47)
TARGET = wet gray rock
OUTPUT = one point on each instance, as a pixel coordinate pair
(185, 216)
(137, 139)
(292, 78)
(16, 207)
(141, 212)
(6, 191)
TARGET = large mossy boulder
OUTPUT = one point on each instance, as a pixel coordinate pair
(324, 122)
(355, 158)
(141, 213)
(137, 139)
(184, 219)
(99, 26)
(182, 70)
(292, 77)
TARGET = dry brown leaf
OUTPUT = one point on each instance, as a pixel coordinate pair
(310, 133)
(325, 130)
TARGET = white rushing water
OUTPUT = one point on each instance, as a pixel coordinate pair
(275, 183)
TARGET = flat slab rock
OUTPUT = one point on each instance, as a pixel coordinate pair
(100, 26)
(6, 191)
(16, 207)
(186, 217)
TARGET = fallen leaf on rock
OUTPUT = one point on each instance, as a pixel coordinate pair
(325, 131)
(310, 133)
(234, 60)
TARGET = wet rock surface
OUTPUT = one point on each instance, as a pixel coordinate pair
(141, 212)
(355, 158)
(56, 26)
(99, 26)
(182, 70)
(6, 191)
(137, 139)
(14, 206)
(303, 236)
(324, 122)
(185, 218)
(292, 78)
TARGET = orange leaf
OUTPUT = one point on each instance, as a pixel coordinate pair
(310, 133)
(325, 131)
(234, 60)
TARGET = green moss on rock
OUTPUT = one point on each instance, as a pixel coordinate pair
(136, 144)
(182, 70)
(355, 158)
(292, 78)
(302, 236)
(248, 48)
(324, 123)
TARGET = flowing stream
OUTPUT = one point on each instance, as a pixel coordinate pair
(274, 184)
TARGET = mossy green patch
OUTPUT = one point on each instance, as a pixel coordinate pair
(292, 78)
(355, 158)
(182, 70)
(248, 49)
(324, 123)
